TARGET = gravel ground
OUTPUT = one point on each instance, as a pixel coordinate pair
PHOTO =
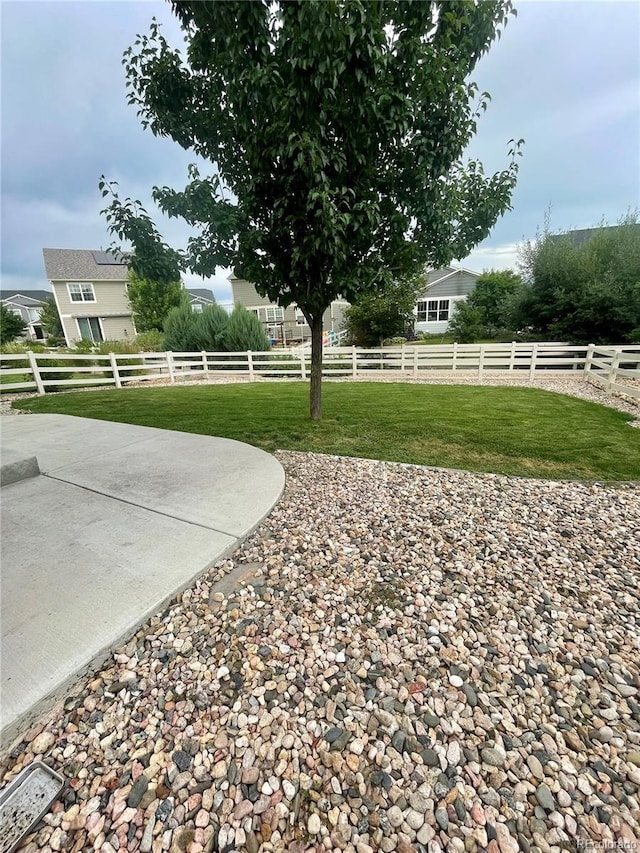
(425, 661)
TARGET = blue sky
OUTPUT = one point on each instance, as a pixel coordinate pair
(565, 76)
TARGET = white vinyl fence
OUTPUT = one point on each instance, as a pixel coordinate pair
(614, 368)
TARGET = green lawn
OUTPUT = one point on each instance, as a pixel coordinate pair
(503, 430)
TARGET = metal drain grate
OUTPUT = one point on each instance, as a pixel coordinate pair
(25, 801)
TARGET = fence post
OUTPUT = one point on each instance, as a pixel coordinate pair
(534, 358)
(250, 365)
(205, 362)
(33, 364)
(354, 363)
(481, 361)
(172, 375)
(114, 369)
(512, 357)
(415, 362)
(402, 359)
(589, 360)
(303, 366)
(613, 371)
(454, 360)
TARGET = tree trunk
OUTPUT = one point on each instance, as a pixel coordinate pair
(315, 397)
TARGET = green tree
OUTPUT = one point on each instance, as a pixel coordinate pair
(151, 301)
(335, 132)
(210, 325)
(467, 323)
(379, 315)
(582, 290)
(181, 332)
(50, 319)
(11, 324)
(244, 331)
(492, 296)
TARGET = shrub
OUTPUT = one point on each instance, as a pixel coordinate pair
(151, 341)
(466, 325)
(244, 331)
(13, 348)
(83, 345)
(120, 347)
(181, 333)
(210, 325)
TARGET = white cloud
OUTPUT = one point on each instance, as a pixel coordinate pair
(492, 257)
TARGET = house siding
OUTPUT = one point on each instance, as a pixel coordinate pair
(111, 306)
(244, 293)
(460, 284)
(447, 283)
(111, 296)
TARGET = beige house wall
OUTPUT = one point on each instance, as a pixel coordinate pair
(111, 306)
(244, 293)
(110, 296)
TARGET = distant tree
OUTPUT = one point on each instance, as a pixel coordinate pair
(336, 133)
(586, 292)
(11, 324)
(466, 326)
(379, 315)
(492, 297)
(151, 301)
(50, 319)
(244, 331)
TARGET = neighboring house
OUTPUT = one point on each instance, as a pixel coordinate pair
(27, 304)
(200, 297)
(284, 325)
(444, 288)
(90, 290)
(582, 235)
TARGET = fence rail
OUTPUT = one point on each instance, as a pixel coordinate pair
(614, 368)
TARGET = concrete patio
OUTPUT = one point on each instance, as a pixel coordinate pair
(109, 524)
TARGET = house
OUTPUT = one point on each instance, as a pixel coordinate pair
(27, 304)
(90, 289)
(444, 288)
(580, 236)
(200, 297)
(285, 325)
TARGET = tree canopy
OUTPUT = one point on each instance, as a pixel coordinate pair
(11, 324)
(335, 132)
(50, 319)
(151, 301)
(582, 287)
(376, 316)
(491, 296)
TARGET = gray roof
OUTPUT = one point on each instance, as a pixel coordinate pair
(201, 293)
(81, 265)
(25, 297)
(580, 236)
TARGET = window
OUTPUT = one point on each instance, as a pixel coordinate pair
(432, 310)
(197, 307)
(300, 318)
(34, 314)
(81, 292)
(90, 329)
(275, 314)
